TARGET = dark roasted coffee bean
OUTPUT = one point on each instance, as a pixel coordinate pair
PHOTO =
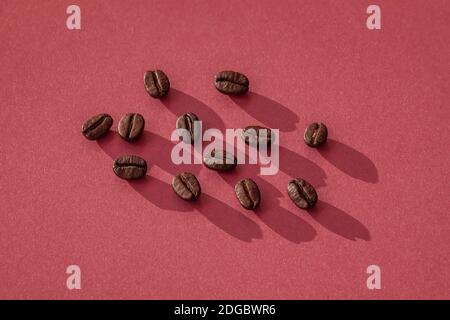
(316, 134)
(156, 83)
(131, 126)
(97, 126)
(231, 82)
(220, 160)
(302, 193)
(257, 136)
(130, 167)
(186, 186)
(247, 192)
(186, 121)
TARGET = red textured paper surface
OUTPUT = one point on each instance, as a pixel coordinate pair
(383, 178)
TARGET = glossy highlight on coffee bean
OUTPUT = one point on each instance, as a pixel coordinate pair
(97, 126)
(131, 126)
(247, 192)
(316, 134)
(302, 193)
(231, 82)
(130, 167)
(220, 160)
(186, 121)
(156, 83)
(186, 186)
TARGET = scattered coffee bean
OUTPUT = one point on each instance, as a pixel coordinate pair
(302, 193)
(186, 186)
(156, 83)
(231, 82)
(257, 136)
(220, 160)
(97, 126)
(130, 167)
(316, 134)
(131, 126)
(247, 192)
(186, 121)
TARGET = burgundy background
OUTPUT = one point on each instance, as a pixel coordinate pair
(383, 179)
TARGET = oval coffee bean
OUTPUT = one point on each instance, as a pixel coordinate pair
(156, 83)
(316, 134)
(131, 126)
(247, 192)
(231, 82)
(97, 126)
(220, 160)
(186, 121)
(257, 136)
(130, 167)
(186, 186)
(302, 193)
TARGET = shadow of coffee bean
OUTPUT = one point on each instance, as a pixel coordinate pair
(339, 222)
(350, 161)
(269, 112)
(156, 150)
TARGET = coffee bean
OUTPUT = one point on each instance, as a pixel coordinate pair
(302, 193)
(97, 126)
(231, 82)
(316, 134)
(220, 160)
(247, 192)
(156, 83)
(131, 126)
(186, 121)
(186, 186)
(257, 136)
(130, 167)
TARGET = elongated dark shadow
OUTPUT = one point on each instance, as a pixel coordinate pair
(339, 222)
(228, 219)
(297, 166)
(178, 103)
(269, 112)
(285, 223)
(156, 150)
(291, 163)
(349, 161)
(160, 194)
